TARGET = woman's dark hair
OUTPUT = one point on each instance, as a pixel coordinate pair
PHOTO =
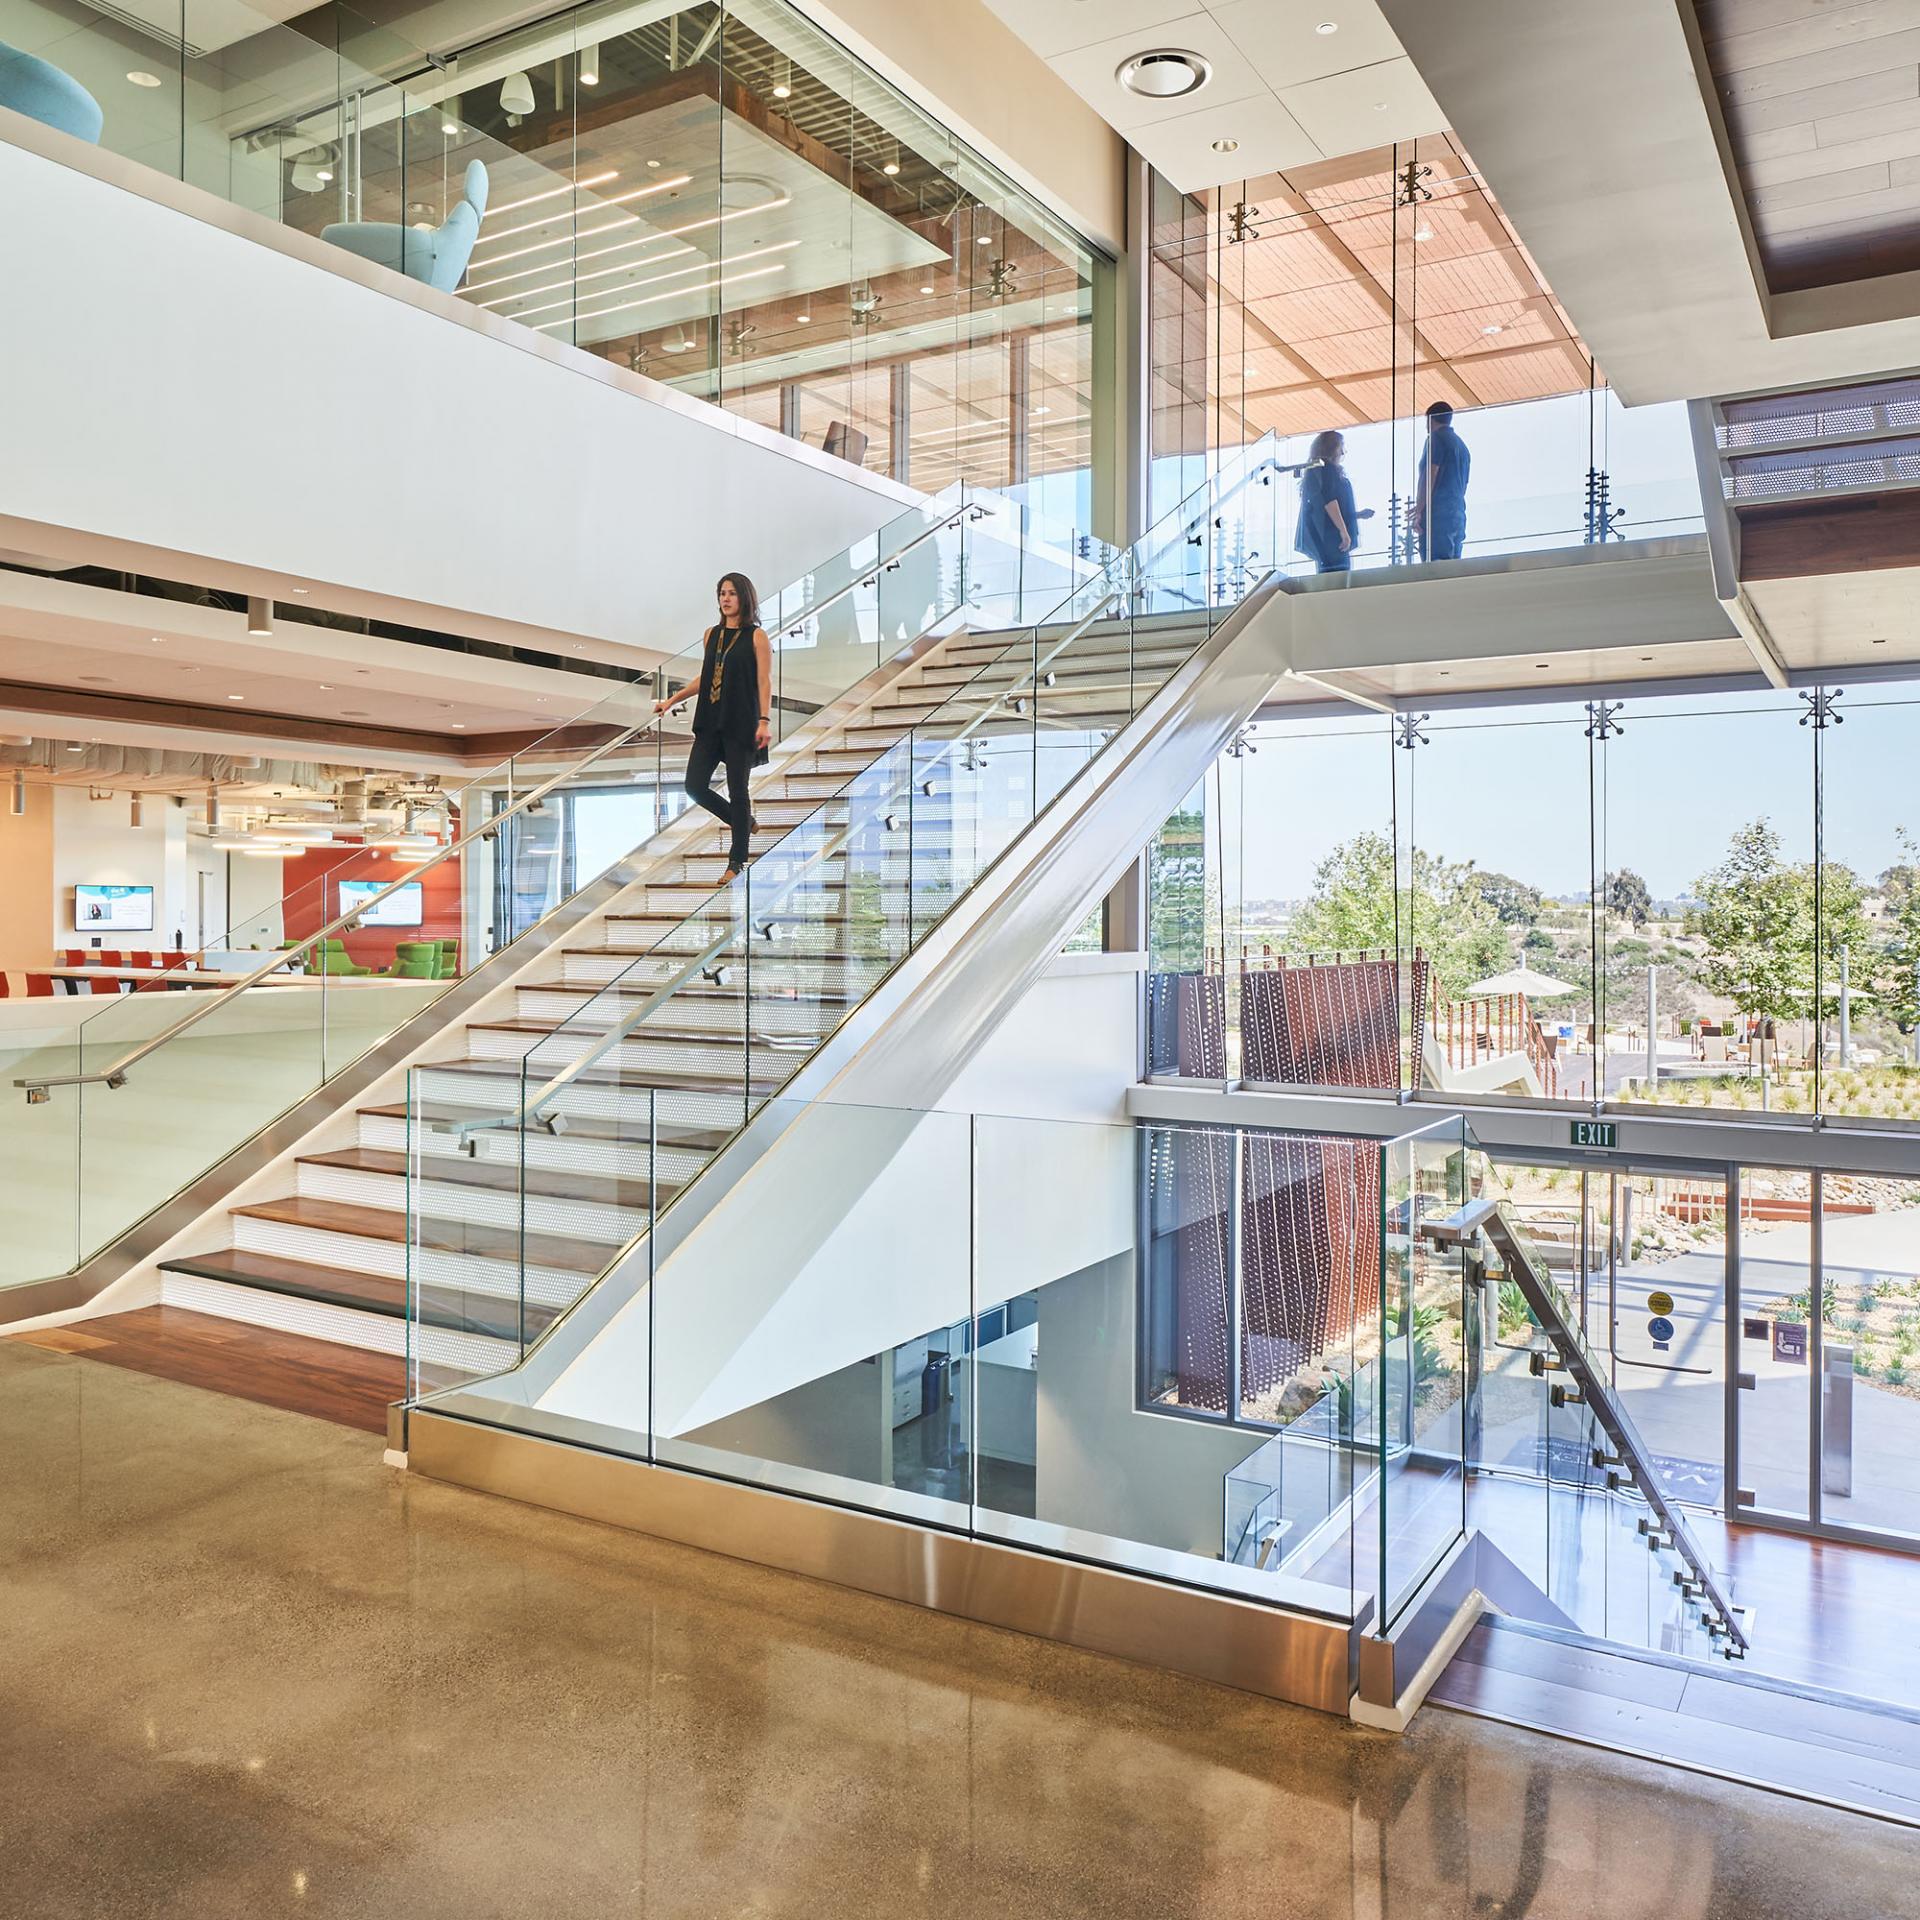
(1325, 446)
(749, 600)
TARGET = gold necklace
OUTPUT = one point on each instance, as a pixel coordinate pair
(720, 659)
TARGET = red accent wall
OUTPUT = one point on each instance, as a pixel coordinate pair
(307, 906)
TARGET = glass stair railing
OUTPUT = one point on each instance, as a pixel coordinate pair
(708, 998)
(127, 1102)
(1620, 1558)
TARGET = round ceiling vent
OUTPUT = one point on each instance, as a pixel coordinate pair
(1164, 73)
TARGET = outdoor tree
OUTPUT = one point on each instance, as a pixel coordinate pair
(1516, 903)
(1756, 919)
(1441, 909)
(1183, 899)
(1626, 894)
(1900, 982)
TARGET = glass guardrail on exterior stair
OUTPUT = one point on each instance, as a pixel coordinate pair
(126, 1102)
(707, 997)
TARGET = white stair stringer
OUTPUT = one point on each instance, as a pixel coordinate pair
(741, 1308)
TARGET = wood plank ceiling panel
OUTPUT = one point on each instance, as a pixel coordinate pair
(1821, 100)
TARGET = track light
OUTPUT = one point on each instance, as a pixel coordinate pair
(19, 794)
(590, 65)
(259, 617)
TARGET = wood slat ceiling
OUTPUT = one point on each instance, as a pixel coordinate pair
(1822, 107)
(1303, 323)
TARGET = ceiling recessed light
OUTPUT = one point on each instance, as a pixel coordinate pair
(459, 726)
(303, 589)
(75, 746)
(154, 640)
(803, 319)
(1494, 328)
(1043, 409)
(236, 696)
(1226, 146)
(1163, 73)
(326, 686)
(1379, 106)
(142, 78)
(1423, 233)
(1328, 26)
(653, 163)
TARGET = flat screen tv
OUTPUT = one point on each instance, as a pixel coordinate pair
(112, 909)
(404, 907)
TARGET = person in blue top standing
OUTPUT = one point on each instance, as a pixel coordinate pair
(1328, 523)
(1440, 500)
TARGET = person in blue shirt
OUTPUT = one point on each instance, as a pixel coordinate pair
(1440, 500)
(1328, 523)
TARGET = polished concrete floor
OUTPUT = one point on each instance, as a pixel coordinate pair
(245, 1669)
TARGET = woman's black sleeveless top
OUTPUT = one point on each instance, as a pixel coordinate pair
(733, 709)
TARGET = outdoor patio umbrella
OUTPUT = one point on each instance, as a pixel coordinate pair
(1536, 986)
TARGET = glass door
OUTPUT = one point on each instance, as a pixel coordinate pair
(1664, 1322)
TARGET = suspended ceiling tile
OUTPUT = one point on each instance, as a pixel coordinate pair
(1286, 45)
(1266, 136)
(1347, 111)
(1092, 72)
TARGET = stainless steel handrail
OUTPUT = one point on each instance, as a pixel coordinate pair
(115, 1076)
(1127, 571)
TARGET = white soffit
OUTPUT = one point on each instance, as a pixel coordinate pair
(1291, 81)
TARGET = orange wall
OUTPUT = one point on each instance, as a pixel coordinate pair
(26, 879)
(307, 906)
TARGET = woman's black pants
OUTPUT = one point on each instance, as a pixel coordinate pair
(709, 750)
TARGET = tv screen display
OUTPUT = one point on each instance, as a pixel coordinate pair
(401, 908)
(112, 909)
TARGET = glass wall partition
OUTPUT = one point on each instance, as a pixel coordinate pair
(718, 197)
(1700, 901)
(1350, 298)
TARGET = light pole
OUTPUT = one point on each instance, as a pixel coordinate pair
(1653, 1045)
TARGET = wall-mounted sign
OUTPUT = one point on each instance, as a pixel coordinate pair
(1790, 1342)
(1595, 1133)
(1661, 1331)
(1659, 1303)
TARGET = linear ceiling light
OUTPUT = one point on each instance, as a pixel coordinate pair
(596, 253)
(654, 280)
(662, 233)
(654, 299)
(553, 193)
(599, 206)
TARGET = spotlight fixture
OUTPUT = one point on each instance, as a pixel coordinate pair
(783, 87)
(926, 289)
(676, 341)
(141, 78)
(1164, 73)
(590, 65)
(892, 165)
(259, 617)
(306, 177)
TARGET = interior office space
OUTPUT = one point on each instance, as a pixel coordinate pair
(1265, 1245)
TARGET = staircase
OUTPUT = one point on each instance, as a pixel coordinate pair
(506, 1224)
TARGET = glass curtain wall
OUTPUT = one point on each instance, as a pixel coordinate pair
(717, 197)
(1352, 296)
(1697, 901)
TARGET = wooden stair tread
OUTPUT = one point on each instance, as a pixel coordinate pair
(439, 1236)
(500, 1176)
(440, 1305)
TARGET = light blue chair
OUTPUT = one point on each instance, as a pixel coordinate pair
(440, 257)
(42, 92)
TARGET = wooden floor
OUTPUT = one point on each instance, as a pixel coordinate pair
(1846, 1753)
(319, 1377)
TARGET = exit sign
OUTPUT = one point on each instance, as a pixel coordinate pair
(1595, 1133)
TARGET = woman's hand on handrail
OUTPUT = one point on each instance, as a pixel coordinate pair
(674, 699)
